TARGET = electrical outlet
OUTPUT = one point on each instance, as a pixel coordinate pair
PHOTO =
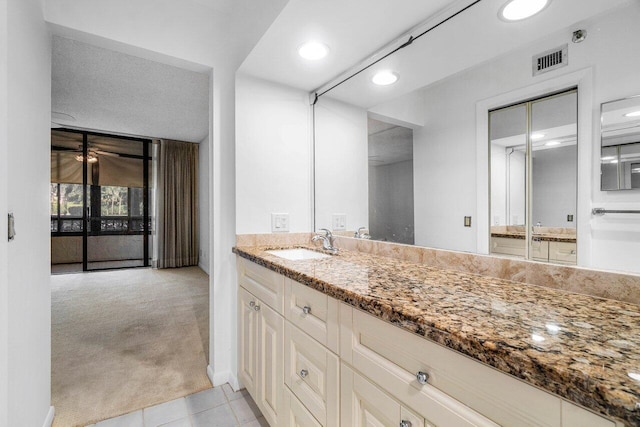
(339, 222)
(569, 218)
(279, 222)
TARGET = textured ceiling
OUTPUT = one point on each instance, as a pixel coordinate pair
(110, 91)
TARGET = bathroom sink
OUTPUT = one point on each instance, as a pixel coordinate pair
(297, 254)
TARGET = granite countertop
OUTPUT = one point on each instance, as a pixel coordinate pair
(548, 237)
(582, 348)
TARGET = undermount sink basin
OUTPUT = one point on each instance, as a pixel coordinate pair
(297, 254)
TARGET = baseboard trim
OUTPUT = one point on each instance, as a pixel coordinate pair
(49, 420)
(211, 375)
(224, 377)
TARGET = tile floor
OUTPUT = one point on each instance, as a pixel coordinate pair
(215, 407)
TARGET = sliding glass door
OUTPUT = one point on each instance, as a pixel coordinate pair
(100, 196)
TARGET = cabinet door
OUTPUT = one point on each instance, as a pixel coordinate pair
(296, 415)
(270, 385)
(364, 405)
(247, 342)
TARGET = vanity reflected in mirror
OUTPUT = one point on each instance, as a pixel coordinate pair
(620, 156)
(533, 152)
(484, 138)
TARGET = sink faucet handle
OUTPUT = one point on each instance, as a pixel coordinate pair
(327, 232)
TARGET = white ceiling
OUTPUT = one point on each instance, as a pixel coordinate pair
(356, 29)
(352, 29)
(471, 38)
(110, 91)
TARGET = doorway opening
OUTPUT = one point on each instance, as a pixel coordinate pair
(100, 197)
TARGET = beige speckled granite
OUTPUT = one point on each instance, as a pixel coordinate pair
(549, 234)
(495, 321)
(604, 284)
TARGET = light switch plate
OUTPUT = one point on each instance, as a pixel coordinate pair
(279, 222)
(339, 222)
(467, 221)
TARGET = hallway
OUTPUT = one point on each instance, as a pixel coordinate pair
(125, 340)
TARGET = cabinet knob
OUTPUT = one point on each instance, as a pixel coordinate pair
(304, 373)
(306, 309)
(256, 308)
(422, 377)
(405, 423)
(252, 303)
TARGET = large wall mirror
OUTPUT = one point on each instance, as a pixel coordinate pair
(396, 145)
(620, 159)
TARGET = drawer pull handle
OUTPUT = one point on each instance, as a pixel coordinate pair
(422, 377)
(304, 373)
(256, 308)
(306, 309)
(405, 423)
(252, 304)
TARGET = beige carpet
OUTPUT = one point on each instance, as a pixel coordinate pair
(124, 340)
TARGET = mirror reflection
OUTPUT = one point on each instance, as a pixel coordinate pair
(534, 157)
(620, 159)
(494, 138)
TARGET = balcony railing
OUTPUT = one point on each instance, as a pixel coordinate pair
(112, 225)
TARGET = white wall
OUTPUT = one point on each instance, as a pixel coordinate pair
(201, 37)
(445, 149)
(341, 164)
(203, 204)
(391, 202)
(25, 297)
(273, 152)
(554, 182)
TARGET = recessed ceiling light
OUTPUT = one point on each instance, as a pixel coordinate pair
(633, 114)
(537, 136)
(552, 143)
(384, 78)
(313, 50)
(516, 10)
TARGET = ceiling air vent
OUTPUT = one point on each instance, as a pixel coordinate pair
(550, 60)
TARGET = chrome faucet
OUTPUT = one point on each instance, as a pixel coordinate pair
(327, 240)
(360, 234)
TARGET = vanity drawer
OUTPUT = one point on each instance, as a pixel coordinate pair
(364, 405)
(266, 285)
(312, 374)
(540, 250)
(391, 357)
(297, 415)
(313, 312)
(564, 252)
(507, 246)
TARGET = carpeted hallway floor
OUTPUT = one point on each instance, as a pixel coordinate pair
(127, 339)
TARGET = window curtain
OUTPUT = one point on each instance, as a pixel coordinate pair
(177, 204)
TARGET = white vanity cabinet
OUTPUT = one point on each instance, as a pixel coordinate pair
(261, 339)
(310, 360)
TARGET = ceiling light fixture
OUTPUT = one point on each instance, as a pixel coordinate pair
(517, 10)
(313, 50)
(537, 338)
(552, 143)
(634, 375)
(384, 78)
(91, 157)
(605, 158)
(633, 114)
(537, 136)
